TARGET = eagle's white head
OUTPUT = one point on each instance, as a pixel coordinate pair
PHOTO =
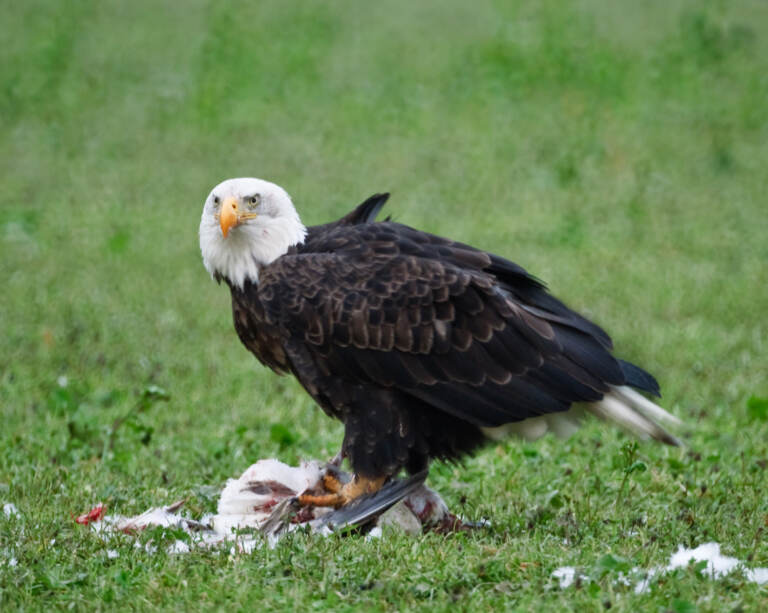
(247, 224)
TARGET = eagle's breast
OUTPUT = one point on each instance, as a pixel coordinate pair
(257, 333)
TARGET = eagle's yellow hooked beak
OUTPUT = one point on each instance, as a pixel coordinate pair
(231, 215)
(228, 217)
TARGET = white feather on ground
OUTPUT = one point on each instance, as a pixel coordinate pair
(718, 566)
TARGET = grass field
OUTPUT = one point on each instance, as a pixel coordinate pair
(616, 150)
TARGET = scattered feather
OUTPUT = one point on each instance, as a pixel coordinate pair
(717, 566)
(178, 547)
(566, 575)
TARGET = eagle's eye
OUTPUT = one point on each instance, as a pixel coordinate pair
(216, 201)
(255, 199)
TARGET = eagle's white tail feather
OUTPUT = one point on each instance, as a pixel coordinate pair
(561, 424)
(648, 408)
(622, 406)
(636, 417)
(530, 429)
(565, 424)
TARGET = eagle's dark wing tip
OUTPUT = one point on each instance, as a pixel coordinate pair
(639, 378)
(369, 210)
(364, 213)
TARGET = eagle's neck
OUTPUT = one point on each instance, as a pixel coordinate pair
(248, 248)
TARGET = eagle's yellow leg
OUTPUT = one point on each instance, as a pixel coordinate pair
(332, 483)
(342, 494)
(360, 486)
(323, 500)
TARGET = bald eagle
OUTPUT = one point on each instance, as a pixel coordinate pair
(425, 348)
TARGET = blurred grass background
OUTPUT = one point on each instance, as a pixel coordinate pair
(616, 150)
